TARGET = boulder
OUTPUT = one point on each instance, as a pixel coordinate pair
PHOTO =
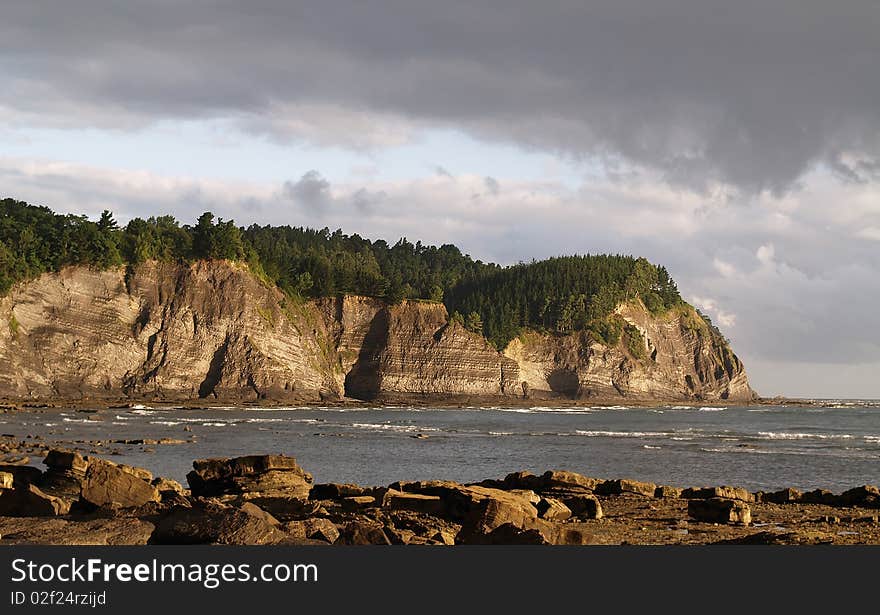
(584, 506)
(513, 534)
(22, 476)
(286, 508)
(64, 474)
(727, 493)
(363, 533)
(7, 480)
(107, 485)
(166, 485)
(209, 522)
(491, 512)
(521, 480)
(819, 496)
(460, 501)
(866, 496)
(783, 496)
(720, 510)
(335, 491)
(665, 491)
(561, 479)
(623, 485)
(357, 502)
(445, 537)
(254, 510)
(141, 473)
(263, 474)
(415, 502)
(314, 529)
(30, 501)
(553, 510)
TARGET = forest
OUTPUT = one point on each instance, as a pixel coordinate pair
(562, 294)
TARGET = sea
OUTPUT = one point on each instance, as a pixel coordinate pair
(830, 445)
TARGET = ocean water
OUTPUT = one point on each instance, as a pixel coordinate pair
(832, 446)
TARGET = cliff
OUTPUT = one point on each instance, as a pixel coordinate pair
(212, 330)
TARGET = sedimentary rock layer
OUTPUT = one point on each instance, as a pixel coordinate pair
(212, 330)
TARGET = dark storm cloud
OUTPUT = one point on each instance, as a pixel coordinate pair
(750, 93)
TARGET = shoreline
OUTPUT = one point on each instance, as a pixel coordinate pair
(270, 499)
(417, 401)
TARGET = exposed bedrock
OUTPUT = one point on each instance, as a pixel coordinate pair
(212, 330)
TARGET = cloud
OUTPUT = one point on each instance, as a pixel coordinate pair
(711, 308)
(311, 190)
(750, 94)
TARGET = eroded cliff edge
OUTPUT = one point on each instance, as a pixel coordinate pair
(212, 330)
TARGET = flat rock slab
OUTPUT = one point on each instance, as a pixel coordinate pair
(106, 484)
(30, 501)
(216, 524)
(266, 474)
(719, 510)
(42, 531)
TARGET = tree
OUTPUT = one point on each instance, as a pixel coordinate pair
(436, 293)
(474, 323)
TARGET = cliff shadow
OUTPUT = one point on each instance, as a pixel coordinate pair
(363, 380)
(564, 382)
(215, 371)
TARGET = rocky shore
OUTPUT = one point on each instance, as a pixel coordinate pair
(270, 499)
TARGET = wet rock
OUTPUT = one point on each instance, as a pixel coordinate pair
(106, 484)
(209, 522)
(30, 501)
(553, 510)
(623, 485)
(263, 474)
(720, 510)
(584, 506)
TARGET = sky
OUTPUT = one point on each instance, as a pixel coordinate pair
(737, 143)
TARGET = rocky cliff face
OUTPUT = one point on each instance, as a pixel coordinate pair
(212, 330)
(676, 357)
(208, 330)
